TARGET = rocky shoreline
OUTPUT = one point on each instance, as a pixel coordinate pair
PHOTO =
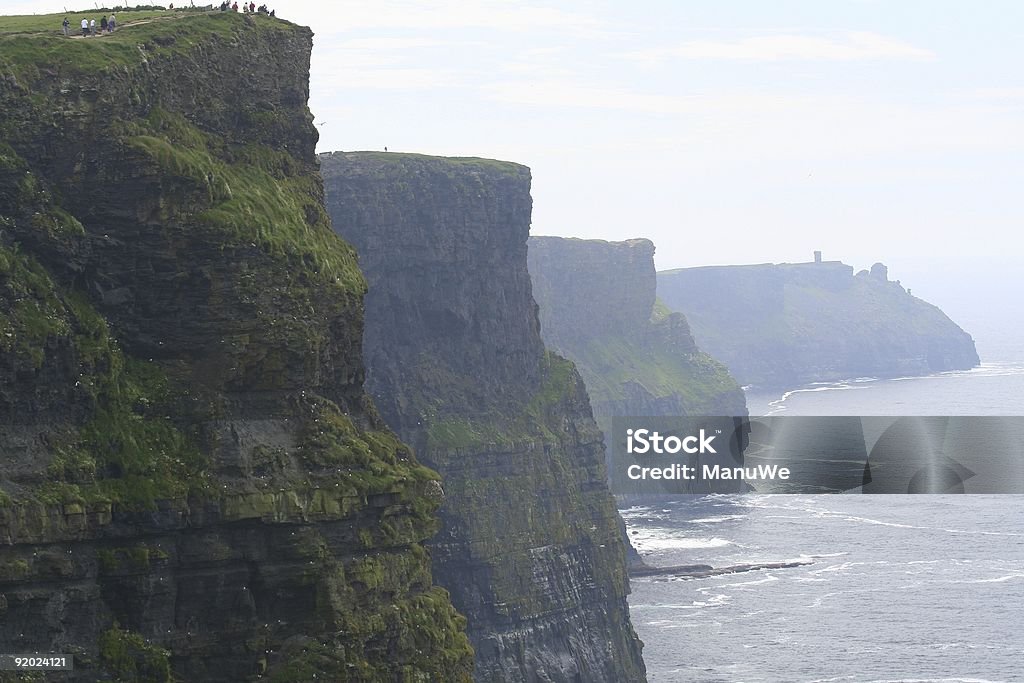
(703, 571)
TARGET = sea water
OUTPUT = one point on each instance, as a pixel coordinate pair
(900, 588)
(994, 388)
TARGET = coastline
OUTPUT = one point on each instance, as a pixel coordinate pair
(908, 395)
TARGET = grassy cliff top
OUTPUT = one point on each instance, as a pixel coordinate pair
(31, 43)
(50, 23)
(380, 159)
(761, 267)
(583, 241)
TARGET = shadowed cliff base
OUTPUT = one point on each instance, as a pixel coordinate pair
(598, 307)
(194, 485)
(785, 325)
(530, 548)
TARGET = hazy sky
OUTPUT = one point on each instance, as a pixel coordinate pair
(726, 131)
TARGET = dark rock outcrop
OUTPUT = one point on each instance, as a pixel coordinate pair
(703, 571)
(194, 482)
(789, 324)
(530, 547)
(598, 307)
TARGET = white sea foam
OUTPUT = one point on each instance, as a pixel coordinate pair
(662, 539)
(955, 392)
(756, 582)
(715, 520)
(998, 579)
(934, 680)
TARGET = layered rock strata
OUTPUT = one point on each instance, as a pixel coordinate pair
(195, 484)
(530, 548)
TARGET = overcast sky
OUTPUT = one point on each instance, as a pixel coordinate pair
(727, 131)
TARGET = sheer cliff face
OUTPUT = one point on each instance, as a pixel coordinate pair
(790, 324)
(530, 547)
(193, 478)
(439, 241)
(598, 308)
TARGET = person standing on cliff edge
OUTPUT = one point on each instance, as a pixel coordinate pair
(67, 27)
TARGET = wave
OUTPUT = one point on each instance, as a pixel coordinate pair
(716, 520)
(904, 680)
(778, 405)
(662, 539)
(999, 579)
(756, 582)
(972, 532)
(767, 502)
(933, 680)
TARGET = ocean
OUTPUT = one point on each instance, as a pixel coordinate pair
(899, 588)
(994, 388)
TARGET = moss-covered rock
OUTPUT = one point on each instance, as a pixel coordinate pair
(193, 477)
(598, 306)
(530, 547)
(130, 658)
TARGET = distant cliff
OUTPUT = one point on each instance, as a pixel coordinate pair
(194, 485)
(598, 307)
(530, 548)
(789, 324)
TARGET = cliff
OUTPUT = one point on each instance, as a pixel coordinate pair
(598, 307)
(789, 324)
(530, 547)
(194, 482)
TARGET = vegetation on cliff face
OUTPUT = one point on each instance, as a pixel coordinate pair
(530, 546)
(699, 382)
(195, 484)
(637, 357)
(790, 324)
(128, 451)
(247, 193)
(515, 423)
(130, 658)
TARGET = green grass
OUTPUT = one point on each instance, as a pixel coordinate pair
(452, 433)
(537, 417)
(30, 311)
(441, 163)
(426, 641)
(128, 453)
(610, 363)
(50, 24)
(29, 43)
(248, 194)
(131, 658)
